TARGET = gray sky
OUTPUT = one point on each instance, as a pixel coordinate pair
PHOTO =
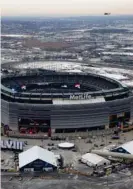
(64, 7)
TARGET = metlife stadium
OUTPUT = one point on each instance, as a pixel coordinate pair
(40, 100)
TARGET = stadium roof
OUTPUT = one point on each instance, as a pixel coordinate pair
(35, 153)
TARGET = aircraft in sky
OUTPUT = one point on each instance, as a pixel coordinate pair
(106, 13)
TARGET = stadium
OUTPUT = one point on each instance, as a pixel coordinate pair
(40, 100)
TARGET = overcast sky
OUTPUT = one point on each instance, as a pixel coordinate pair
(64, 7)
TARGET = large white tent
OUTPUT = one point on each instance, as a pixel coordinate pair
(94, 160)
(36, 153)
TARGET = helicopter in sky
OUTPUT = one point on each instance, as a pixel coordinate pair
(106, 13)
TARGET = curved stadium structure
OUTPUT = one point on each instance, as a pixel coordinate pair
(63, 101)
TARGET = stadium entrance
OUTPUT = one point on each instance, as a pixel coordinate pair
(33, 126)
(78, 130)
(119, 120)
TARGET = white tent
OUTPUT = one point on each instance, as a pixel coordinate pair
(66, 145)
(35, 153)
(93, 160)
(126, 148)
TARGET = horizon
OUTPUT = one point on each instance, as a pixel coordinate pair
(63, 8)
(64, 16)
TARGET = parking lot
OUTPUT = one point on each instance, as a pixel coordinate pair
(83, 144)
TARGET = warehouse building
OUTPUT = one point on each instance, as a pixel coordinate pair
(37, 159)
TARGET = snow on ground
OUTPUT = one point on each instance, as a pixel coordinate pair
(75, 71)
(14, 35)
(123, 75)
(118, 53)
(56, 65)
(128, 83)
(128, 48)
(108, 72)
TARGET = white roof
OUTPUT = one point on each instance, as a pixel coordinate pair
(35, 153)
(93, 159)
(128, 146)
(66, 145)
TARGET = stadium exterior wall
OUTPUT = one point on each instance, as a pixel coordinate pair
(66, 116)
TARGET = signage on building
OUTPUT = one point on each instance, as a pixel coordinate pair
(12, 145)
(84, 96)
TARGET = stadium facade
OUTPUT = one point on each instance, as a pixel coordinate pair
(63, 101)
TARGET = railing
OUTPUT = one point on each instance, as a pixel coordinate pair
(46, 96)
